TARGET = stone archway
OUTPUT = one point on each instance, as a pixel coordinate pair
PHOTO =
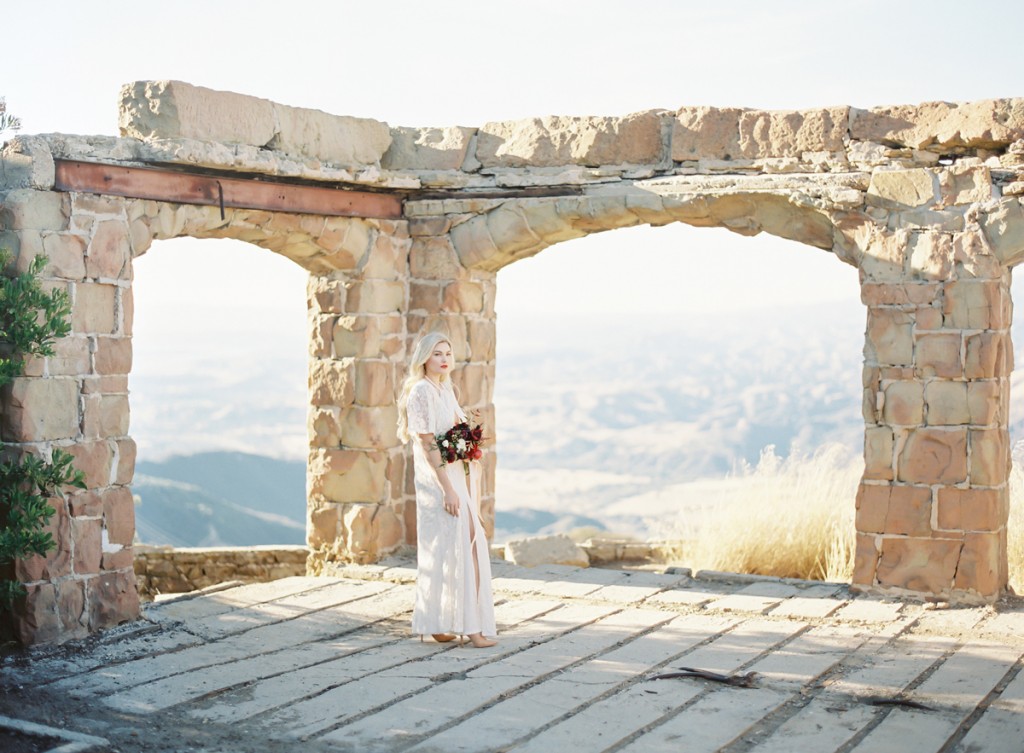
(922, 200)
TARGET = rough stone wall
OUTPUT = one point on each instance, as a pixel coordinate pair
(923, 200)
(167, 570)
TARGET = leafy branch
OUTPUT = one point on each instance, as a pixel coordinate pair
(31, 320)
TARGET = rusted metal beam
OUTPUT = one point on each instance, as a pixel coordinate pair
(188, 188)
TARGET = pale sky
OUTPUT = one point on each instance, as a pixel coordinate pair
(467, 62)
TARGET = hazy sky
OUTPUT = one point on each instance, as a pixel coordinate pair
(442, 63)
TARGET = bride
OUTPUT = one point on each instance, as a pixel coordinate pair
(453, 580)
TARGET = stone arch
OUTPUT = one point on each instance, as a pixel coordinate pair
(923, 200)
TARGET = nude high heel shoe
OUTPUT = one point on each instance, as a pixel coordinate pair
(478, 641)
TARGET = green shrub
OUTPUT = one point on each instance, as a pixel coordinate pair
(30, 321)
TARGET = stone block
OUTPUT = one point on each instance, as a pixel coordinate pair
(931, 255)
(928, 319)
(947, 403)
(121, 559)
(66, 254)
(941, 125)
(324, 526)
(95, 460)
(176, 110)
(409, 519)
(980, 565)
(938, 355)
(872, 507)
(331, 382)
(86, 545)
(865, 560)
(71, 608)
(892, 509)
(356, 337)
(325, 295)
(904, 404)
(124, 470)
(977, 304)
(93, 310)
(35, 616)
(57, 562)
(105, 416)
(369, 427)
(890, 336)
(434, 258)
(40, 409)
(375, 297)
(125, 307)
(113, 355)
(791, 133)
(510, 231)
(428, 148)
(26, 162)
(555, 140)
(972, 509)
(878, 449)
(471, 384)
(324, 426)
(922, 565)
(374, 383)
(348, 475)
(990, 457)
(347, 242)
(70, 357)
(388, 258)
(902, 189)
(396, 474)
(482, 339)
(87, 504)
(883, 256)
(706, 133)
(1003, 227)
(113, 598)
(985, 402)
(140, 237)
(109, 253)
(546, 550)
(425, 297)
(371, 530)
(965, 184)
(988, 355)
(475, 248)
(338, 139)
(934, 456)
(119, 515)
(463, 296)
(26, 209)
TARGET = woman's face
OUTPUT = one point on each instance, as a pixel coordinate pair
(439, 362)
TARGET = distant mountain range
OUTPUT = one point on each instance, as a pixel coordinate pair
(220, 499)
(600, 422)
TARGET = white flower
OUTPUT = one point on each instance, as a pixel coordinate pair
(461, 445)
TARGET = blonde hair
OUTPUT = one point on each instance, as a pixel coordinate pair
(421, 353)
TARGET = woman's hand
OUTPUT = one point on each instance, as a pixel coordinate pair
(451, 503)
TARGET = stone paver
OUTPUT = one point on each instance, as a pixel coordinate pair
(329, 664)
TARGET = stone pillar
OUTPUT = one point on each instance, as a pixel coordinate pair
(933, 504)
(77, 400)
(356, 493)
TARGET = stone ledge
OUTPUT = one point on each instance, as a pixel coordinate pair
(162, 570)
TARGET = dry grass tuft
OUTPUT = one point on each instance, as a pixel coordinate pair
(792, 518)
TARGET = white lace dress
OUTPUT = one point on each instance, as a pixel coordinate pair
(447, 597)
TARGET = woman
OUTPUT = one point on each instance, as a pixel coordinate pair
(453, 580)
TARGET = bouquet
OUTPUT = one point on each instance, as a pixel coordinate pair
(461, 442)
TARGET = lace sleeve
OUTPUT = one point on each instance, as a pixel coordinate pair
(421, 412)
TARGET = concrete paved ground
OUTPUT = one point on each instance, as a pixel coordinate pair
(330, 662)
